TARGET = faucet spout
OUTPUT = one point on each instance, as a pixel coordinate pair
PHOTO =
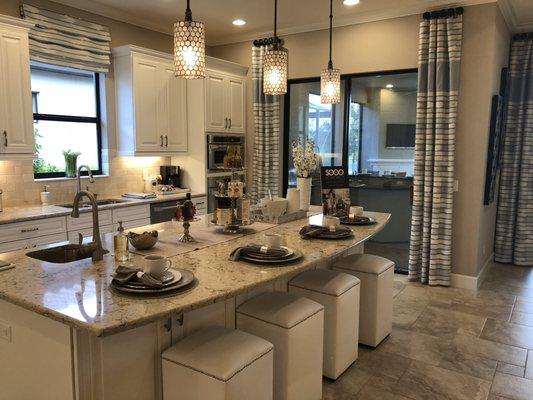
(98, 253)
(78, 175)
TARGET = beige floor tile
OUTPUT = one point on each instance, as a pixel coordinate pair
(382, 364)
(522, 318)
(406, 312)
(469, 364)
(488, 349)
(529, 365)
(508, 333)
(508, 289)
(445, 323)
(512, 387)
(511, 369)
(351, 381)
(524, 305)
(373, 393)
(427, 382)
(415, 345)
(331, 393)
(398, 287)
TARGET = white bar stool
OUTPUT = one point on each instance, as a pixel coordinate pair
(339, 294)
(218, 364)
(295, 325)
(377, 279)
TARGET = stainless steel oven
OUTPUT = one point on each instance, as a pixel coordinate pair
(225, 152)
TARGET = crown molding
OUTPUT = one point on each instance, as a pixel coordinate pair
(13, 21)
(509, 14)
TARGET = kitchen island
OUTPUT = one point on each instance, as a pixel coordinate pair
(76, 339)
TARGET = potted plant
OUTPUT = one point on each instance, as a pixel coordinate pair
(305, 163)
(71, 163)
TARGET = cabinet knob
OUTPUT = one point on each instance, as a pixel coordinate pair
(5, 138)
(161, 137)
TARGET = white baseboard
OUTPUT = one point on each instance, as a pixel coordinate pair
(471, 282)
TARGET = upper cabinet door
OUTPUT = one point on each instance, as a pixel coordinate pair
(173, 110)
(236, 105)
(216, 117)
(146, 93)
(16, 117)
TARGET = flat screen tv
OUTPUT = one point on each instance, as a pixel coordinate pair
(400, 136)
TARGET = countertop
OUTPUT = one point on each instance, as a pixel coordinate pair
(28, 213)
(77, 294)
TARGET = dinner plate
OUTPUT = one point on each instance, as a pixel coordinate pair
(266, 256)
(187, 278)
(297, 255)
(360, 221)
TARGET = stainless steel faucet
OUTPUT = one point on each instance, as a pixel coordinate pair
(78, 175)
(96, 245)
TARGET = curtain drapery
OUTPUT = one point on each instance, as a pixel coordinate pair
(265, 173)
(440, 45)
(513, 241)
(62, 40)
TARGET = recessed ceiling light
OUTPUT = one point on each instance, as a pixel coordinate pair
(239, 22)
(350, 2)
(389, 86)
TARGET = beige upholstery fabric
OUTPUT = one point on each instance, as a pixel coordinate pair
(377, 279)
(295, 326)
(339, 294)
(218, 364)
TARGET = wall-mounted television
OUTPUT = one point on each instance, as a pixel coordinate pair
(400, 136)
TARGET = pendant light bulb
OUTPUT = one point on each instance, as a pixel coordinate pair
(189, 47)
(330, 78)
(275, 64)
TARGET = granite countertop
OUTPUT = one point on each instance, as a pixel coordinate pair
(78, 294)
(33, 212)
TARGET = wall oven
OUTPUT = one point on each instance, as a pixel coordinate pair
(225, 152)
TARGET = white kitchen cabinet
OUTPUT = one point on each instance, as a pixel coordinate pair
(151, 103)
(225, 102)
(32, 243)
(16, 117)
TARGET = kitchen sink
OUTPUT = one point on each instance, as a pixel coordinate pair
(63, 254)
(103, 202)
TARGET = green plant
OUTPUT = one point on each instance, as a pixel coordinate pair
(71, 161)
(40, 166)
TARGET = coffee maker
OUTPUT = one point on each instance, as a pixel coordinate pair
(170, 175)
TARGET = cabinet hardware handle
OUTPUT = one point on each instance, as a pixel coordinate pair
(230, 123)
(5, 138)
(161, 140)
(225, 123)
(166, 141)
(26, 230)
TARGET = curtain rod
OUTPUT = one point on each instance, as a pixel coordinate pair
(448, 12)
(523, 36)
(267, 41)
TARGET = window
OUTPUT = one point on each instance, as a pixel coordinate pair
(371, 131)
(66, 118)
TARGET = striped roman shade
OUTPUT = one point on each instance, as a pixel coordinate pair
(59, 39)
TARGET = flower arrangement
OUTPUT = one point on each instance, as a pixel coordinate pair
(305, 159)
(71, 161)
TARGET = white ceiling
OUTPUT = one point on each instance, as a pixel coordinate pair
(294, 15)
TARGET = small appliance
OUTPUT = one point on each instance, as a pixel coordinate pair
(170, 175)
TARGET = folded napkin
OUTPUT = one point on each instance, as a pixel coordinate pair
(256, 250)
(125, 274)
(315, 231)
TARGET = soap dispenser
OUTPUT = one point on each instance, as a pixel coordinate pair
(120, 241)
(46, 196)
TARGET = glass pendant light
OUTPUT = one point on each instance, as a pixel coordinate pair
(275, 64)
(189, 47)
(330, 78)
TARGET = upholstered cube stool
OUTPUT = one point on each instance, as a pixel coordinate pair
(295, 325)
(218, 364)
(339, 294)
(377, 279)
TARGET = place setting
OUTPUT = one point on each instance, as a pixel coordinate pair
(355, 217)
(272, 252)
(331, 229)
(154, 279)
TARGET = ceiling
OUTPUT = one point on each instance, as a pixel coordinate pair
(294, 15)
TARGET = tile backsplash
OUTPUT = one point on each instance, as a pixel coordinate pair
(125, 174)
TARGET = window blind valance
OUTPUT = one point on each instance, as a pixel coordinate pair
(59, 39)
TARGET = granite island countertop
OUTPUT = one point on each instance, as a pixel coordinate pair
(78, 294)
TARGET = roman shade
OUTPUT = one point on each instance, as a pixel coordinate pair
(66, 41)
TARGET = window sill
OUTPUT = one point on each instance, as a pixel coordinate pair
(68, 179)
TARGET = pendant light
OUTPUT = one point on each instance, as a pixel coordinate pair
(330, 78)
(189, 47)
(275, 64)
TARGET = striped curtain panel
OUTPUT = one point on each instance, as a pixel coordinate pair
(66, 41)
(265, 174)
(438, 90)
(514, 222)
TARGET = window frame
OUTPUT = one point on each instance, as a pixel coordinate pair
(97, 120)
(346, 80)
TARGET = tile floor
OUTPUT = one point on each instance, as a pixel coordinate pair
(451, 344)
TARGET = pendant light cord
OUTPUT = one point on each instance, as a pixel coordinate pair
(330, 62)
(188, 12)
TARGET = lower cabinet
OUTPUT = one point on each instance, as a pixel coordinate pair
(32, 243)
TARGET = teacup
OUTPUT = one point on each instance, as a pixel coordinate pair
(156, 265)
(273, 240)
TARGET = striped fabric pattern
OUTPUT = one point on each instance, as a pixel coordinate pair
(438, 90)
(513, 241)
(265, 174)
(59, 39)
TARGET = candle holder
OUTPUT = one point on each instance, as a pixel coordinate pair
(186, 237)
